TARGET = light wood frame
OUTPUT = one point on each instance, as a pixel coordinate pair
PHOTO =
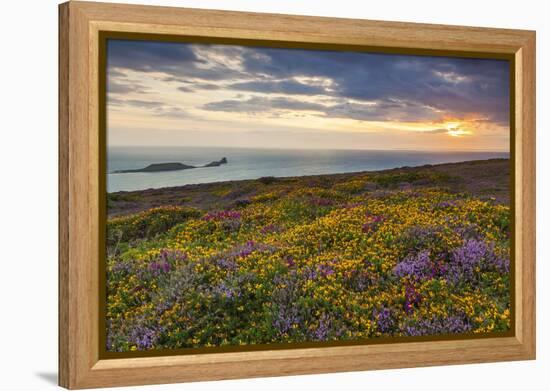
(79, 168)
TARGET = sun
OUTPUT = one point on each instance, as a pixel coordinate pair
(456, 129)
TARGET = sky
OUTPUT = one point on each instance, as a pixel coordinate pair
(180, 94)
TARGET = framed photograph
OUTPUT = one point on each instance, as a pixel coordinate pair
(247, 195)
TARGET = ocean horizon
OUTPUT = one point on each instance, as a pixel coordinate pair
(253, 163)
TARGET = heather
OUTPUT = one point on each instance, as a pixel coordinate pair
(362, 256)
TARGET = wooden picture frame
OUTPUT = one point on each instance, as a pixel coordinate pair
(81, 164)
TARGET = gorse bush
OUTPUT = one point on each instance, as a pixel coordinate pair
(267, 180)
(146, 224)
(394, 179)
(310, 264)
(112, 198)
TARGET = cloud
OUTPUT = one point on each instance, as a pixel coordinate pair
(146, 104)
(149, 56)
(436, 131)
(156, 108)
(290, 87)
(256, 105)
(118, 82)
(403, 87)
(193, 87)
(458, 85)
(382, 110)
(185, 89)
(206, 86)
(175, 60)
(373, 111)
(172, 112)
(115, 87)
(114, 102)
(112, 73)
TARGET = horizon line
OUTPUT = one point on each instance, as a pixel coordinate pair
(309, 149)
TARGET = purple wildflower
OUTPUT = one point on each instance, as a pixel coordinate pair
(420, 267)
(445, 204)
(502, 264)
(109, 340)
(222, 215)
(317, 201)
(322, 331)
(417, 266)
(164, 254)
(290, 261)
(384, 320)
(451, 325)
(309, 273)
(226, 263)
(358, 280)
(159, 267)
(372, 223)
(163, 305)
(226, 291)
(143, 337)
(412, 298)
(285, 318)
(247, 249)
(473, 257)
(125, 267)
(325, 270)
(172, 255)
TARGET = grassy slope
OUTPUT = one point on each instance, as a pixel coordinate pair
(405, 252)
(481, 178)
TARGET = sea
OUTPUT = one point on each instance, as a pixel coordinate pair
(251, 163)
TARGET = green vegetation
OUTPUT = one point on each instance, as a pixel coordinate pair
(293, 260)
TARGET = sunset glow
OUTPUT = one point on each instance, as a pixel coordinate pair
(216, 95)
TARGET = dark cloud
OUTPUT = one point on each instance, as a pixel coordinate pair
(176, 60)
(116, 87)
(146, 104)
(455, 85)
(384, 110)
(149, 56)
(262, 104)
(290, 87)
(185, 89)
(380, 111)
(406, 88)
(192, 87)
(206, 86)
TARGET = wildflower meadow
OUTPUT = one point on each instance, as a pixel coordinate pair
(368, 256)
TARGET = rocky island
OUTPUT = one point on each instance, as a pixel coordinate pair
(216, 164)
(159, 167)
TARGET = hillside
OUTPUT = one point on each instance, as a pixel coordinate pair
(401, 253)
